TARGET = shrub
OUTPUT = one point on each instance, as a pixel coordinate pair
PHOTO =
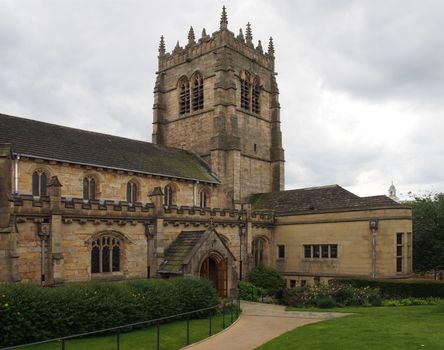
(411, 301)
(401, 288)
(341, 294)
(268, 279)
(31, 313)
(325, 303)
(248, 291)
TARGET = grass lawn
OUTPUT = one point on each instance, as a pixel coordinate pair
(172, 336)
(370, 328)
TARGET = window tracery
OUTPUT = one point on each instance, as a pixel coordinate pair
(89, 188)
(184, 97)
(105, 254)
(39, 182)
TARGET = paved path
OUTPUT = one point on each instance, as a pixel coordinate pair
(258, 324)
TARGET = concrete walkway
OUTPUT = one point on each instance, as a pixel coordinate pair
(258, 324)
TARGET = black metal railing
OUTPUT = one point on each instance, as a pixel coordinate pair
(229, 309)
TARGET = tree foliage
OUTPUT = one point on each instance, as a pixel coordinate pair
(428, 232)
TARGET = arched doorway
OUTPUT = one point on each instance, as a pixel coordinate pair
(214, 268)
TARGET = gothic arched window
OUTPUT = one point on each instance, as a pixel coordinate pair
(198, 92)
(204, 199)
(39, 180)
(255, 97)
(184, 97)
(245, 91)
(168, 195)
(258, 251)
(89, 188)
(131, 192)
(105, 254)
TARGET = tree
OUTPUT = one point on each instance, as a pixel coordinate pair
(428, 233)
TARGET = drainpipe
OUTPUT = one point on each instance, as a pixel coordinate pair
(43, 233)
(16, 174)
(374, 227)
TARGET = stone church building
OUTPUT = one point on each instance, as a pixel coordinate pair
(206, 198)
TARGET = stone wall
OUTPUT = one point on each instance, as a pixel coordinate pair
(351, 232)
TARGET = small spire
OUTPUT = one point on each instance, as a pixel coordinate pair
(224, 19)
(177, 48)
(241, 35)
(271, 47)
(161, 46)
(191, 37)
(259, 46)
(204, 33)
(249, 35)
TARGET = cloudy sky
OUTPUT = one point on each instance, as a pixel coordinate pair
(361, 82)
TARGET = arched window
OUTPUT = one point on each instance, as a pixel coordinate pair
(184, 97)
(89, 188)
(198, 92)
(255, 97)
(131, 192)
(204, 199)
(168, 195)
(258, 251)
(245, 93)
(39, 180)
(105, 255)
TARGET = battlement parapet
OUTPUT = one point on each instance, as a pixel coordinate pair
(207, 44)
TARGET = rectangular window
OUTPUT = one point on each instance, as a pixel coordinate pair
(324, 251)
(307, 251)
(303, 283)
(292, 283)
(399, 249)
(320, 251)
(316, 253)
(281, 251)
(333, 251)
(317, 280)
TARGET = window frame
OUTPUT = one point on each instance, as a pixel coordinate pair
(281, 251)
(104, 261)
(39, 183)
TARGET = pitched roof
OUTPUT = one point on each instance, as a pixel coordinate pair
(179, 250)
(54, 142)
(313, 199)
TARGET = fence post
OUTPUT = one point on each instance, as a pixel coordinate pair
(158, 335)
(210, 332)
(63, 344)
(188, 330)
(231, 311)
(118, 340)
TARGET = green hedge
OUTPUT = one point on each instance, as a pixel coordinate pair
(31, 313)
(401, 288)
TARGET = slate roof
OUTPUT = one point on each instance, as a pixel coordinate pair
(179, 250)
(313, 199)
(55, 142)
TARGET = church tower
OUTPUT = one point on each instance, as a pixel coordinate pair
(217, 96)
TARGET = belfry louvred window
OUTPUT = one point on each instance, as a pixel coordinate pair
(105, 255)
(245, 94)
(184, 97)
(198, 92)
(255, 98)
(250, 93)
